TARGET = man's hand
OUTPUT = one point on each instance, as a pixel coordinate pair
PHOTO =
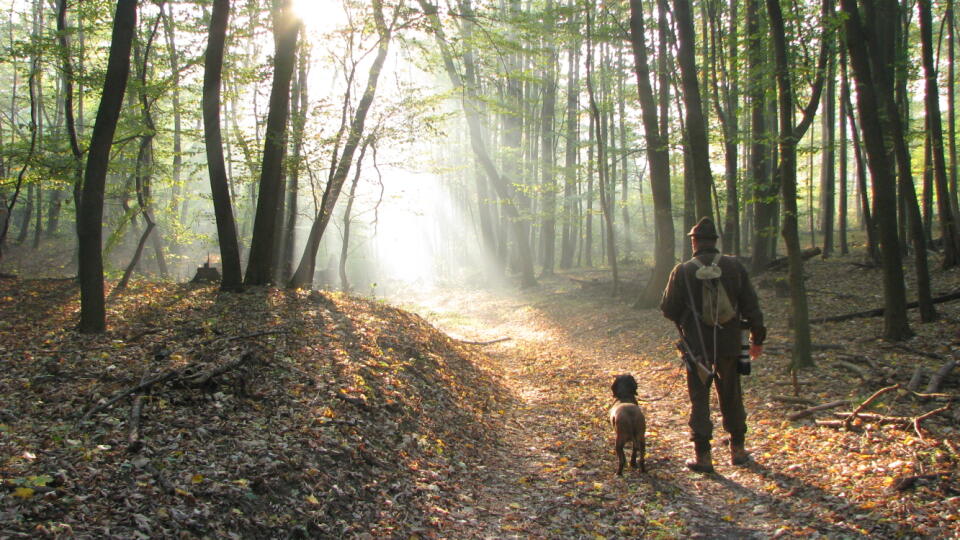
(755, 351)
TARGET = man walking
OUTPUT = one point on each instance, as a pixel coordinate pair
(714, 338)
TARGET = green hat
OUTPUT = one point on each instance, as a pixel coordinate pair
(704, 229)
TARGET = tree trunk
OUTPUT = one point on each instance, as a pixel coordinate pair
(658, 158)
(262, 262)
(828, 180)
(345, 245)
(869, 104)
(548, 181)
(948, 223)
(90, 221)
(605, 205)
(787, 169)
(696, 123)
(568, 241)
(213, 140)
(303, 277)
(844, 98)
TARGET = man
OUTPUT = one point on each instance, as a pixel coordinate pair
(718, 346)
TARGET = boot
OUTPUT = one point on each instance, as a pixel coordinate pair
(738, 454)
(704, 461)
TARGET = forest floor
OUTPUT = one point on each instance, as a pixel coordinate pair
(293, 414)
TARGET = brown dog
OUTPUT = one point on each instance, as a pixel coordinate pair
(628, 422)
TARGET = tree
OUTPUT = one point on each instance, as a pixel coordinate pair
(213, 141)
(90, 220)
(658, 158)
(262, 262)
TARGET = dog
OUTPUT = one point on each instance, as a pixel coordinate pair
(628, 422)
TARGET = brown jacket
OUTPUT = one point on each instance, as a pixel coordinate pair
(675, 306)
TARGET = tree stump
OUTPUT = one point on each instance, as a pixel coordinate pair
(206, 274)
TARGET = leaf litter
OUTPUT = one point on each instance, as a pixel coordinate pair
(358, 419)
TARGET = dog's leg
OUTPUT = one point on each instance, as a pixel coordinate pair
(621, 456)
(642, 441)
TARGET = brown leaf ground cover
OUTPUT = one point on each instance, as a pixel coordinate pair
(357, 419)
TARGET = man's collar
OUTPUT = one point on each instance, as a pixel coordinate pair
(705, 250)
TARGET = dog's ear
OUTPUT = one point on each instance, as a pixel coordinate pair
(632, 385)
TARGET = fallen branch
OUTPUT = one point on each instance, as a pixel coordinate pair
(781, 262)
(204, 378)
(866, 403)
(911, 350)
(906, 482)
(133, 435)
(182, 374)
(915, 379)
(7, 276)
(851, 367)
(922, 417)
(246, 336)
(878, 312)
(813, 410)
(794, 400)
(482, 343)
(161, 378)
(353, 400)
(937, 379)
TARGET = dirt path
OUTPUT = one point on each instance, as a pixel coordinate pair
(553, 474)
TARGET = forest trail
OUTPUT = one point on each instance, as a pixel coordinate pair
(553, 473)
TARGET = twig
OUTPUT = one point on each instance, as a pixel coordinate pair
(807, 412)
(911, 350)
(245, 336)
(793, 399)
(481, 343)
(133, 436)
(853, 416)
(203, 378)
(161, 378)
(922, 417)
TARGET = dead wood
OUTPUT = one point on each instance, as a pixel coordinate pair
(204, 378)
(133, 424)
(482, 343)
(158, 379)
(781, 262)
(911, 350)
(813, 410)
(353, 400)
(914, 383)
(937, 379)
(792, 383)
(794, 400)
(7, 276)
(906, 482)
(878, 312)
(246, 336)
(181, 374)
(922, 417)
(586, 283)
(859, 371)
(867, 402)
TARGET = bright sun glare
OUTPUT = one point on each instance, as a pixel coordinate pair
(319, 15)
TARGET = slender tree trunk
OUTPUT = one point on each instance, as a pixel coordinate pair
(948, 222)
(213, 139)
(345, 245)
(844, 98)
(568, 241)
(789, 137)
(549, 181)
(601, 168)
(828, 181)
(302, 103)
(90, 225)
(303, 277)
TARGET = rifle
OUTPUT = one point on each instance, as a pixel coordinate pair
(691, 361)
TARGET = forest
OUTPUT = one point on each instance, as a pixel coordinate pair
(366, 268)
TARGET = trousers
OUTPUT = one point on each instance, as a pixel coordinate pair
(730, 395)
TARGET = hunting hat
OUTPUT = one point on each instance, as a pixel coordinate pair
(704, 229)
